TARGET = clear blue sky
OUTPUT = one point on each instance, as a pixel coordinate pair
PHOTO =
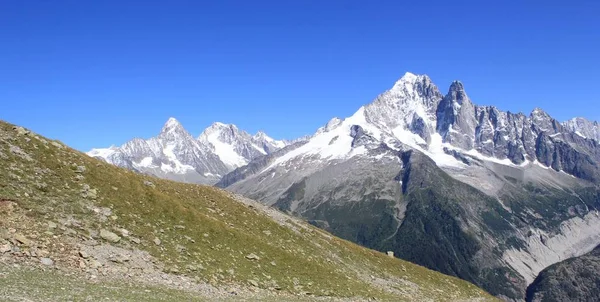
(96, 73)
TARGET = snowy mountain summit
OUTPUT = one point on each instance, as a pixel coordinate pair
(176, 154)
(449, 128)
(415, 114)
(431, 175)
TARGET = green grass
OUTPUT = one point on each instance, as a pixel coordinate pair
(38, 285)
(216, 231)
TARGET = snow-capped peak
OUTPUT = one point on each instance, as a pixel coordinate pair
(584, 127)
(172, 124)
(410, 103)
(103, 152)
(409, 80)
(539, 112)
(262, 136)
(225, 132)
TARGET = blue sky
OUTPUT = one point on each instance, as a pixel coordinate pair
(96, 73)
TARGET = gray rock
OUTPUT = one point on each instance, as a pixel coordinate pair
(80, 169)
(109, 236)
(5, 248)
(180, 249)
(21, 131)
(47, 261)
(252, 257)
(23, 240)
(157, 241)
(253, 283)
(4, 234)
(95, 264)
(84, 254)
(87, 192)
(456, 118)
(149, 183)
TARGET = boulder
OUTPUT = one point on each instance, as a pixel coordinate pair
(109, 236)
(47, 261)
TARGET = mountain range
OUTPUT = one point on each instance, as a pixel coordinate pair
(490, 196)
(175, 154)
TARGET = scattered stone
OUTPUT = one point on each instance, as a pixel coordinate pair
(4, 233)
(52, 225)
(115, 188)
(84, 254)
(120, 258)
(135, 240)
(157, 241)
(42, 186)
(23, 240)
(188, 238)
(124, 232)
(180, 248)
(80, 169)
(21, 131)
(253, 283)
(252, 257)
(103, 211)
(149, 183)
(57, 145)
(179, 227)
(47, 261)
(95, 264)
(268, 233)
(390, 254)
(5, 248)
(109, 236)
(87, 192)
(273, 263)
(20, 153)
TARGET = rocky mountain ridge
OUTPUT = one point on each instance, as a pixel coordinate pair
(176, 154)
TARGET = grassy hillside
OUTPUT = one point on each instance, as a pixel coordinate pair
(68, 214)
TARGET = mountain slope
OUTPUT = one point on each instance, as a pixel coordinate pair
(575, 279)
(486, 195)
(175, 154)
(92, 220)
